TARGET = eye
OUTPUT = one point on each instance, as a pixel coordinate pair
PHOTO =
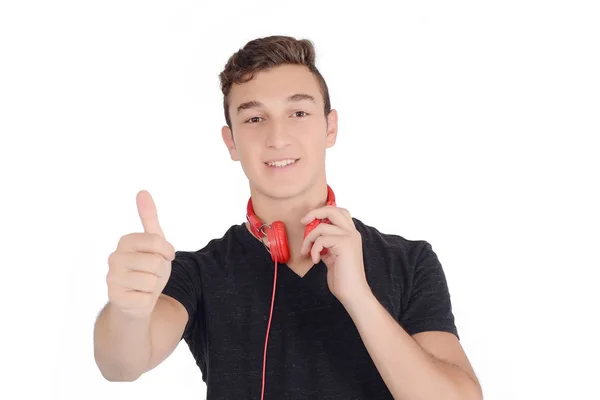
(296, 113)
(252, 120)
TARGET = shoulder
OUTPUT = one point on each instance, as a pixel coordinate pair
(392, 247)
(403, 273)
(211, 254)
(396, 262)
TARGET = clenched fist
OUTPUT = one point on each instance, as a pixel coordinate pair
(140, 267)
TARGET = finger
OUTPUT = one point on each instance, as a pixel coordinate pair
(337, 216)
(147, 243)
(321, 230)
(149, 263)
(322, 243)
(139, 281)
(148, 214)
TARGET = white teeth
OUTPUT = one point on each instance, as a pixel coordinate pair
(281, 163)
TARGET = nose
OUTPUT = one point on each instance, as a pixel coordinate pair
(276, 135)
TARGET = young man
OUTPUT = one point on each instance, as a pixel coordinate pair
(272, 309)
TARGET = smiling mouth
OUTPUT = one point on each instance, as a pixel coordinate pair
(282, 163)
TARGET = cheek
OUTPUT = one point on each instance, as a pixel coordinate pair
(249, 154)
(305, 130)
(316, 138)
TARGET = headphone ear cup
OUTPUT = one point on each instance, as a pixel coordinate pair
(278, 242)
(310, 227)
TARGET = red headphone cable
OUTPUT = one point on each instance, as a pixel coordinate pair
(262, 396)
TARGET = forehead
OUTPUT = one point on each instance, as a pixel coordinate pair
(275, 85)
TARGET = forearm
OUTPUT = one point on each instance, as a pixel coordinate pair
(122, 345)
(409, 372)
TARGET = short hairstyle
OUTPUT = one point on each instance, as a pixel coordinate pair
(265, 53)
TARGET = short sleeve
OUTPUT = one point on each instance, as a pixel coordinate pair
(184, 285)
(427, 305)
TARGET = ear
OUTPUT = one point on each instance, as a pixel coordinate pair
(332, 127)
(227, 136)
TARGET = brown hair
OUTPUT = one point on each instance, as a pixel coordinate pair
(265, 53)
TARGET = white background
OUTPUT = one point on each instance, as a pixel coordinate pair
(473, 125)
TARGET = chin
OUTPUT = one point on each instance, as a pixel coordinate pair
(282, 183)
(280, 189)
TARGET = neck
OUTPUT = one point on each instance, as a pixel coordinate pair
(290, 210)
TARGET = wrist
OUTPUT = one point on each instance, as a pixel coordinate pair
(120, 317)
(358, 300)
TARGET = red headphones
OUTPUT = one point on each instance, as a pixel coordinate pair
(276, 233)
(280, 253)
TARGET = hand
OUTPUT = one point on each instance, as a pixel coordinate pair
(140, 267)
(344, 258)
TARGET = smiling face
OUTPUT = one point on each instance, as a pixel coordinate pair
(280, 133)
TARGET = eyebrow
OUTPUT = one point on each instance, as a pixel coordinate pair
(291, 99)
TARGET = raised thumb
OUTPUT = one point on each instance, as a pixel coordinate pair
(148, 214)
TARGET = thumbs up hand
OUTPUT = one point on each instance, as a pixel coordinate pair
(140, 267)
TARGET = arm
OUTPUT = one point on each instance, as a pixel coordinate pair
(405, 350)
(152, 299)
(409, 365)
(126, 347)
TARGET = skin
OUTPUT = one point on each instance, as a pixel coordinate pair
(427, 365)
(281, 128)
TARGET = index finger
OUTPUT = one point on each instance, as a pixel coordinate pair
(335, 215)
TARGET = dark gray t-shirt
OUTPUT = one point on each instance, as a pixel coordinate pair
(314, 350)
